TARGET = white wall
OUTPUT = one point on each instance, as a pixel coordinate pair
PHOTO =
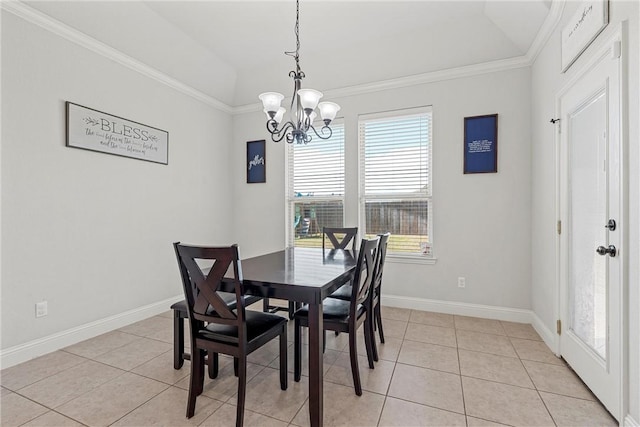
(88, 232)
(547, 81)
(481, 222)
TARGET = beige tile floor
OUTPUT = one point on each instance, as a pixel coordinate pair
(434, 370)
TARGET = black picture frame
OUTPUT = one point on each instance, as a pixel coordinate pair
(481, 144)
(256, 162)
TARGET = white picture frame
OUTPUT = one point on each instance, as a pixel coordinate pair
(584, 26)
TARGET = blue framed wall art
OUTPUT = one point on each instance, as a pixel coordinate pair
(256, 162)
(481, 144)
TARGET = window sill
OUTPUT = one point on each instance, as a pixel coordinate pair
(410, 259)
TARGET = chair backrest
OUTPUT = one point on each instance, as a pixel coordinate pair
(382, 254)
(364, 273)
(204, 304)
(347, 234)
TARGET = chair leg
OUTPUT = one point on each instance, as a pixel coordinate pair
(242, 389)
(235, 366)
(297, 351)
(178, 340)
(368, 335)
(371, 332)
(213, 364)
(378, 316)
(283, 359)
(353, 353)
(265, 305)
(196, 381)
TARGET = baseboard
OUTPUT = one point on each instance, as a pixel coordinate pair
(549, 337)
(27, 351)
(460, 308)
(629, 421)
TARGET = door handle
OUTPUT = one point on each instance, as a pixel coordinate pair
(611, 250)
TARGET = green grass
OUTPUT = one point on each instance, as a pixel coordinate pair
(397, 243)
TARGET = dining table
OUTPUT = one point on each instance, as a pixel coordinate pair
(306, 275)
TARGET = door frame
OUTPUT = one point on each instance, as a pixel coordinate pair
(614, 44)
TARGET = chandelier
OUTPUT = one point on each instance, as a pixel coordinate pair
(303, 103)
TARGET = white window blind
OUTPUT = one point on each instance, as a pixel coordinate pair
(395, 178)
(316, 188)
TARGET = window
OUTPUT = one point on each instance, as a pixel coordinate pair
(395, 179)
(316, 188)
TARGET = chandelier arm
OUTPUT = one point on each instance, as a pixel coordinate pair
(321, 135)
(278, 135)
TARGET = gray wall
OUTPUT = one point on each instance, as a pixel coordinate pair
(481, 223)
(88, 232)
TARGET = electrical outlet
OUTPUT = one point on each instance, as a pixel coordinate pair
(41, 309)
(462, 282)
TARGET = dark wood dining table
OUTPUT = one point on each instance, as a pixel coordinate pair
(306, 275)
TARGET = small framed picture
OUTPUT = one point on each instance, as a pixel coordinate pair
(256, 162)
(481, 144)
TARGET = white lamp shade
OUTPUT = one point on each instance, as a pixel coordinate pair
(271, 100)
(328, 110)
(312, 116)
(309, 98)
(279, 114)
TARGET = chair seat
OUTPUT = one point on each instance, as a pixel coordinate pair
(332, 309)
(180, 306)
(343, 293)
(227, 297)
(258, 323)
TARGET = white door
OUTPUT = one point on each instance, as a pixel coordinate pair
(590, 202)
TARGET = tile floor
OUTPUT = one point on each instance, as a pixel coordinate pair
(435, 370)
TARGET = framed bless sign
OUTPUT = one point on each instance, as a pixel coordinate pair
(256, 163)
(95, 130)
(481, 144)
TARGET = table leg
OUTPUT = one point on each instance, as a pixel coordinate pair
(316, 335)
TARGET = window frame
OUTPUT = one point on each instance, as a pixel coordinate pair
(402, 257)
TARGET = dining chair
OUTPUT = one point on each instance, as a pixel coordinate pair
(345, 316)
(376, 294)
(180, 313)
(345, 234)
(344, 293)
(215, 328)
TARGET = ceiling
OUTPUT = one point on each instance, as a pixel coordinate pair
(234, 50)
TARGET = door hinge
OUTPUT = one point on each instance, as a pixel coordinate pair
(559, 326)
(559, 227)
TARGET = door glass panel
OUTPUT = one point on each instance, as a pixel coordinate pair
(588, 205)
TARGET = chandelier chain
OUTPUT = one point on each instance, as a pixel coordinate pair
(296, 54)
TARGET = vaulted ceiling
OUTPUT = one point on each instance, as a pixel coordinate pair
(234, 50)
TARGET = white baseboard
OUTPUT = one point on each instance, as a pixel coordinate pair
(630, 422)
(550, 338)
(27, 351)
(460, 308)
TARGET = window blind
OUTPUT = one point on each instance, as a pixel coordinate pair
(316, 188)
(395, 178)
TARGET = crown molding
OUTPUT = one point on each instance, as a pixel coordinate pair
(546, 30)
(48, 23)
